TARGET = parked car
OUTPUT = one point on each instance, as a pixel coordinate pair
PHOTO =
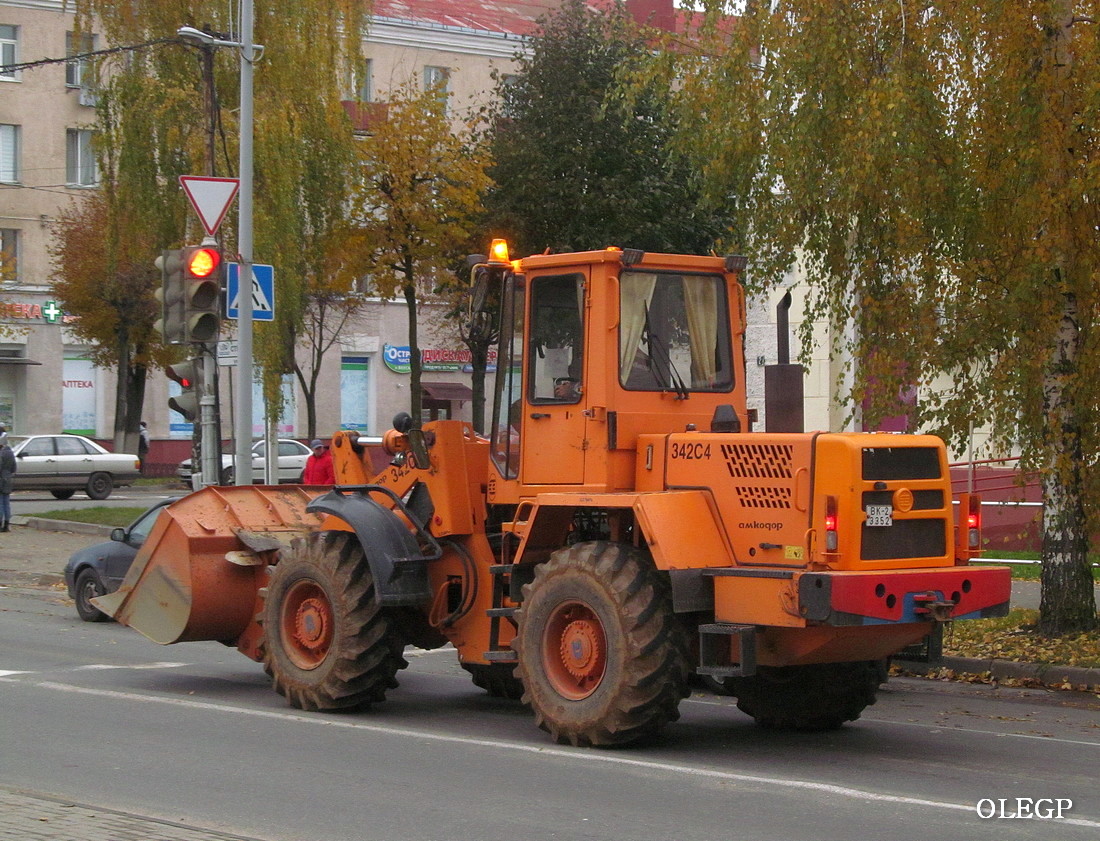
(98, 570)
(65, 464)
(292, 461)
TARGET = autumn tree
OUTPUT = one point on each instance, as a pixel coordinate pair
(935, 165)
(112, 289)
(577, 165)
(416, 205)
(150, 120)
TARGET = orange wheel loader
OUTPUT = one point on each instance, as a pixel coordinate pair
(620, 530)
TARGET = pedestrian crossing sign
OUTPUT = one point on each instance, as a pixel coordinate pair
(263, 292)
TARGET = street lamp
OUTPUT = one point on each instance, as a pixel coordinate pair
(243, 421)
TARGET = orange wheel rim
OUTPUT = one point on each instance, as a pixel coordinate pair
(574, 650)
(307, 623)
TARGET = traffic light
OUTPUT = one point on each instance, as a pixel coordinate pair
(203, 270)
(189, 375)
(172, 324)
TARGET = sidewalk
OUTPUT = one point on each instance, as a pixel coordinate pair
(35, 817)
(34, 554)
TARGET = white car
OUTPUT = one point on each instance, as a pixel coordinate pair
(292, 461)
(64, 464)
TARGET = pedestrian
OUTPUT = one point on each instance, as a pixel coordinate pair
(8, 467)
(319, 470)
(143, 445)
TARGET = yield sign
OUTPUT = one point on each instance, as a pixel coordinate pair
(210, 197)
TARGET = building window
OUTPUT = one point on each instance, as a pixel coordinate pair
(78, 72)
(80, 167)
(9, 255)
(9, 154)
(360, 83)
(9, 51)
(438, 78)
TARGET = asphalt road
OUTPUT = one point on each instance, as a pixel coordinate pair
(194, 735)
(30, 503)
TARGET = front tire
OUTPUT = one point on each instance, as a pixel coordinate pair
(99, 486)
(64, 494)
(602, 658)
(88, 586)
(820, 696)
(328, 645)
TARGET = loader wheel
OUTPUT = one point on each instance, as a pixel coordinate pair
(820, 696)
(602, 658)
(327, 643)
(497, 679)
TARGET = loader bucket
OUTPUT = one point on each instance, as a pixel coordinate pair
(199, 570)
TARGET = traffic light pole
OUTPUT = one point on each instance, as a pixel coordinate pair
(211, 446)
(243, 437)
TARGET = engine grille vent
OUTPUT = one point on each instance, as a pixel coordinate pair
(764, 497)
(759, 461)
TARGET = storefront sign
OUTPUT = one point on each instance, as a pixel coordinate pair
(49, 312)
(397, 359)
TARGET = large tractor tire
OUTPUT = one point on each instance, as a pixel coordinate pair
(602, 658)
(328, 645)
(820, 696)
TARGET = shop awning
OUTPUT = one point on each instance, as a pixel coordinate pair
(446, 391)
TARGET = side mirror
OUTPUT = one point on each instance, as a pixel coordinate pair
(118, 535)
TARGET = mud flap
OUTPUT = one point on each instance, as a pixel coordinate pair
(398, 557)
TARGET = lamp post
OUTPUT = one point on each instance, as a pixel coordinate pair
(242, 471)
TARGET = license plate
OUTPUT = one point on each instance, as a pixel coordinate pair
(880, 515)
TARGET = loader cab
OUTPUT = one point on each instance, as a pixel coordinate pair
(597, 348)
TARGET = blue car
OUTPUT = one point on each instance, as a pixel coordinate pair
(98, 570)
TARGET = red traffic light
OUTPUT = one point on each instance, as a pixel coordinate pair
(203, 262)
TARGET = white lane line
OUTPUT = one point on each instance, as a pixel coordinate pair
(581, 755)
(98, 667)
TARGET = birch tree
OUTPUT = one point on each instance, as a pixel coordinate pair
(936, 165)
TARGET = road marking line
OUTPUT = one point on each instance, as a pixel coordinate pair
(582, 754)
(99, 667)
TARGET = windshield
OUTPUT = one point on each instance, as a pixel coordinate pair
(674, 333)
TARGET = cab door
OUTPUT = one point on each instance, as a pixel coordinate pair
(553, 422)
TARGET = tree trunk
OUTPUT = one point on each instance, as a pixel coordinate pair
(1067, 602)
(416, 403)
(129, 397)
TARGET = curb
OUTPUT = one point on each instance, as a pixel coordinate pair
(42, 524)
(1046, 674)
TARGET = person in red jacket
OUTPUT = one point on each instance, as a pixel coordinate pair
(319, 469)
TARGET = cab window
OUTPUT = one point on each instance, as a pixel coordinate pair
(674, 333)
(555, 353)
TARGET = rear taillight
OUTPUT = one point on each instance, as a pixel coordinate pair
(832, 541)
(974, 522)
(968, 532)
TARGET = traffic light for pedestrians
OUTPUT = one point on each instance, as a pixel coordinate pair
(203, 271)
(189, 375)
(172, 324)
